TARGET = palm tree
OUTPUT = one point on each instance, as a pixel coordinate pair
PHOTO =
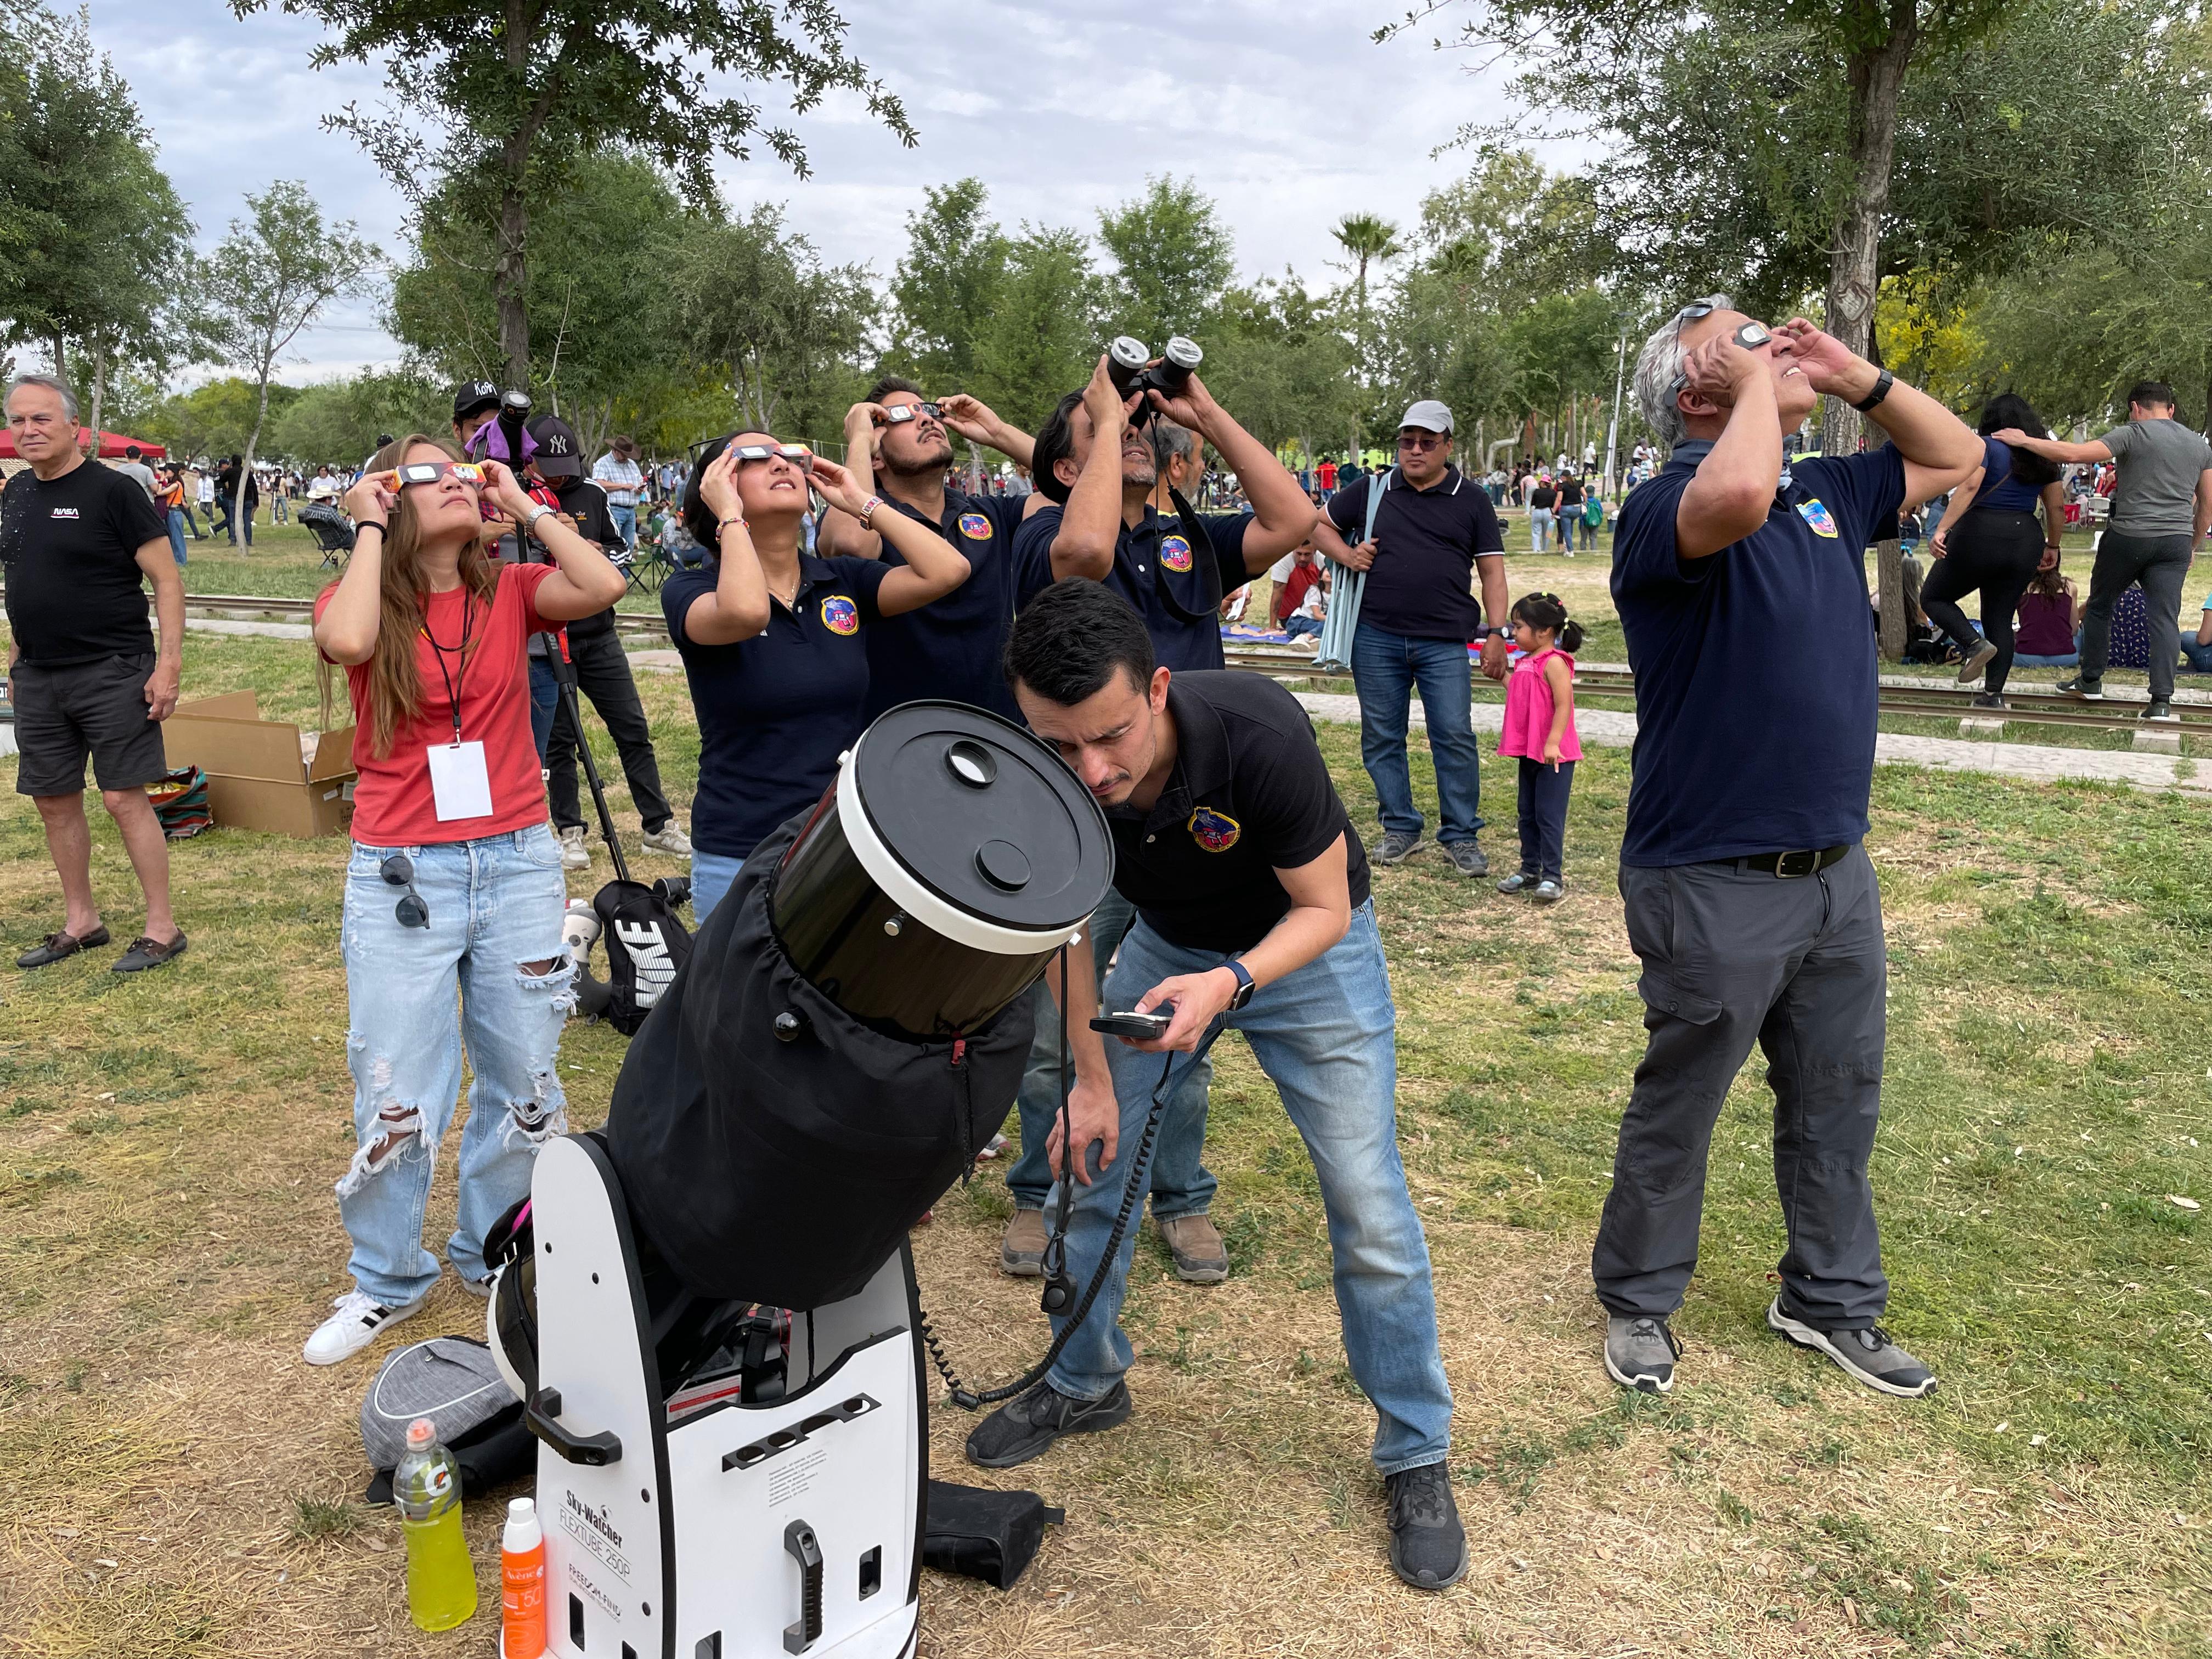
(1366, 239)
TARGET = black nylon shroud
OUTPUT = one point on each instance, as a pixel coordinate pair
(786, 1172)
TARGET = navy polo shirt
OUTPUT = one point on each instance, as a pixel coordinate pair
(1755, 675)
(775, 710)
(1426, 543)
(952, 646)
(1153, 553)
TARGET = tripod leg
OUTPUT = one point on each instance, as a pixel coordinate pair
(564, 675)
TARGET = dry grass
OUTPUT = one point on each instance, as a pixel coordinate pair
(173, 1479)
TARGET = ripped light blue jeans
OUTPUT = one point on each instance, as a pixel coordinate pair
(415, 996)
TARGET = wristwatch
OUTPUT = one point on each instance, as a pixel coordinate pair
(536, 512)
(1244, 987)
(1882, 383)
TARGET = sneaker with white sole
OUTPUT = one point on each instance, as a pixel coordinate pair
(359, 1317)
(670, 839)
(574, 854)
(1866, 1354)
(1971, 663)
(1640, 1353)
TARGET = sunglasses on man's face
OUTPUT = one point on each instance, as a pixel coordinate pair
(899, 414)
(422, 472)
(1423, 442)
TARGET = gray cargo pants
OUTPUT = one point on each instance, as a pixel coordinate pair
(1732, 954)
(2160, 565)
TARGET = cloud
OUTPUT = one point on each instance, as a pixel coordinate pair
(1286, 114)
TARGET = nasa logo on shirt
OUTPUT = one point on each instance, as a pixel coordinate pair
(1175, 552)
(1815, 514)
(840, 615)
(974, 526)
(64, 513)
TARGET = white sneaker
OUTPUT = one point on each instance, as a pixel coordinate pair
(574, 854)
(359, 1317)
(669, 838)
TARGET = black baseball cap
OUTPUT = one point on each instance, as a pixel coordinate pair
(558, 453)
(471, 396)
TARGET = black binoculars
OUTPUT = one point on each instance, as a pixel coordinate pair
(1125, 366)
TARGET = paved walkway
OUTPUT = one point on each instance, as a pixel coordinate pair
(2037, 762)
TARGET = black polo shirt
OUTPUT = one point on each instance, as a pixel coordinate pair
(1426, 543)
(952, 646)
(1153, 555)
(1755, 674)
(1249, 795)
(776, 710)
(585, 502)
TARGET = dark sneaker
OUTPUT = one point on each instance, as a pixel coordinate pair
(1519, 882)
(1971, 663)
(1991, 699)
(1467, 858)
(1868, 1354)
(57, 947)
(2090, 687)
(1200, 1257)
(1022, 1429)
(1021, 1250)
(2161, 709)
(148, 952)
(1394, 847)
(1548, 891)
(1640, 1353)
(1428, 1546)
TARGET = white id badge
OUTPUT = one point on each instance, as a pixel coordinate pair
(460, 785)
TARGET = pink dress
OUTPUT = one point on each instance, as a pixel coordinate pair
(1528, 711)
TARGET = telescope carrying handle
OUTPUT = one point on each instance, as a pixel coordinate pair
(542, 1414)
(798, 1540)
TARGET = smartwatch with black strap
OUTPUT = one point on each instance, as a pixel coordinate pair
(1242, 995)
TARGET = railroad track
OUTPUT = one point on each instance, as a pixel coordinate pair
(1932, 701)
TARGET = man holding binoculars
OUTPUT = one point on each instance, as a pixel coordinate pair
(896, 446)
(1094, 465)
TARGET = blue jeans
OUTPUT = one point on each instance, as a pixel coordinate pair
(1298, 626)
(2071, 659)
(1385, 668)
(545, 695)
(415, 995)
(625, 523)
(177, 534)
(1181, 1183)
(711, 876)
(1327, 1036)
(1539, 528)
(2196, 658)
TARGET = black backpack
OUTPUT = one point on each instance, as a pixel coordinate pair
(646, 944)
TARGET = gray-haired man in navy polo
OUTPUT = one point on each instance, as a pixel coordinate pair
(1741, 583)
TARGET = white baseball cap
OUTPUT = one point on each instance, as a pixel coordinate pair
(1429, 415)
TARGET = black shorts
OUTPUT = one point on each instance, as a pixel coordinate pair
(96, 707)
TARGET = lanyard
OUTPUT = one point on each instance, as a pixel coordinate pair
(453, 682)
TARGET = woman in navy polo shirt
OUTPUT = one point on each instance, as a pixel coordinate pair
(771, 638)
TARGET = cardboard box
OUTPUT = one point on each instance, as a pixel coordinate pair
(261, 773)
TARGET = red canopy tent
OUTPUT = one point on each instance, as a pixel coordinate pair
(112, 446)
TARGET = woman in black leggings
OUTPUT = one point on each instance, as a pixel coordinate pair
(1989, 541)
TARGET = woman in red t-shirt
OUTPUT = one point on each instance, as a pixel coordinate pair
(454, 893)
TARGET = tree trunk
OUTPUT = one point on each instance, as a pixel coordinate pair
(252, 441)
(508, 274)
(99, 390)
(1877, 76)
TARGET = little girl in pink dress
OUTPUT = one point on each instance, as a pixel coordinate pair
(1540, 728)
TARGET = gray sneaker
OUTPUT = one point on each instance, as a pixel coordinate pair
(1866, 1354)
(1548, 891)
(1395, 847)
(1521, 881)
(1467, 858)
(1972, 664)
(1640, 1353)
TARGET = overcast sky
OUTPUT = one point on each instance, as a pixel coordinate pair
(1284, 112)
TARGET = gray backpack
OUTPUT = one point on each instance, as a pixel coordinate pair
(454, 1383)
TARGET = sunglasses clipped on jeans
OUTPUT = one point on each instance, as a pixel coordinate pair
(399, 870)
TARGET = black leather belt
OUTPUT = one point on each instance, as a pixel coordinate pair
(1805, 861)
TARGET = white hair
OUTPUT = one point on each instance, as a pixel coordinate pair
(1659, 372)
(53, 383)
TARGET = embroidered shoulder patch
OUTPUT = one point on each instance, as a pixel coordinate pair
(840, 615)
(1216, 832)
(974, 526)
(1175, 552)
(1815, 514)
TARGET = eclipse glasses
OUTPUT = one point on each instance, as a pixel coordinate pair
(899, 414)
(421, 472)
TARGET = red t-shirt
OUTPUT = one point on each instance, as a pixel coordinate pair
(1292, 594)
(1328, 475)
(392, 803)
